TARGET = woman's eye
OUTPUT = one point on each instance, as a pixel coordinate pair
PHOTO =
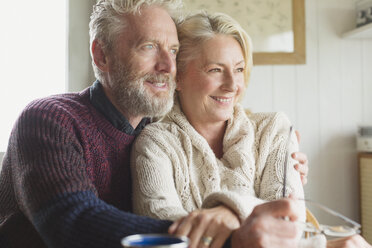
(215, 70)
(240, 69)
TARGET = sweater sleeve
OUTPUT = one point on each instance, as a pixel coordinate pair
(152, 167)
(240, 202)
(271, 161)
(54, 191)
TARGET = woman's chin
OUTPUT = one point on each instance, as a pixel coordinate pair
(223, 115)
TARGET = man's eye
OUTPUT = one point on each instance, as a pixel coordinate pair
(215, 70)
(174, 51)
(149, 46)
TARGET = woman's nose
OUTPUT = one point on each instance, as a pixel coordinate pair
(230, 82)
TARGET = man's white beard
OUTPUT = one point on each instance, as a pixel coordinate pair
(133, 98)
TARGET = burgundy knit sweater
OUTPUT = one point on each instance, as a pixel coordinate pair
(65, 180)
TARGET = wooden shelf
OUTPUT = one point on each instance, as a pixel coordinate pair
(365, 176)
(363, 32)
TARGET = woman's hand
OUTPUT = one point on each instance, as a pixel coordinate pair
(355, 241)
(207, 227)
(303, 164)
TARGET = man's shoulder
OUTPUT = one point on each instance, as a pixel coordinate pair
(66, 100)
(60, 101)
(57, 107)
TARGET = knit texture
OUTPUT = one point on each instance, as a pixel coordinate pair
(175, 171)
(65, 179)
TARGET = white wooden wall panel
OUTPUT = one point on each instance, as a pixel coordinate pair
(367, 80)
(284, 91)
(326, 99)
(308, 99)
(351, 107)
(330, 106)
(259, 94)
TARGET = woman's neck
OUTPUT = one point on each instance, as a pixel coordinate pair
(213, 133)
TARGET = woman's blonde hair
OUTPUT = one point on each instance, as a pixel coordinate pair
(195, 29)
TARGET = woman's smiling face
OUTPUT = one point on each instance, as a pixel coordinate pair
(211, 84)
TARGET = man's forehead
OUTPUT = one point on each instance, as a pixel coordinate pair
(152, 23)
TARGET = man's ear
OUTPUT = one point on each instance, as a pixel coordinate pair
(99, 56)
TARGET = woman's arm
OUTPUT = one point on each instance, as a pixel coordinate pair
(272, 158)
(153, 178)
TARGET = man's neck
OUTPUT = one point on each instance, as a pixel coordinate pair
(133, 120)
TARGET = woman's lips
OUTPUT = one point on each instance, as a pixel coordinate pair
(222, 99)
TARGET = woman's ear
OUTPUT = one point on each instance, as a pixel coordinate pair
(99, 56)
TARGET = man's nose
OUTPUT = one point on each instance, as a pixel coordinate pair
(166, 62)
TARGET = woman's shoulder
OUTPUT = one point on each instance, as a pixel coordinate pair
(269, 121)
(164, 125)
(162, 131)
(263, 117)
(161, 139)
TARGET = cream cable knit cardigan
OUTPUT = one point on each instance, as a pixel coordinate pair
(175, 171)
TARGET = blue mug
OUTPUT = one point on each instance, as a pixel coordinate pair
(155, 241)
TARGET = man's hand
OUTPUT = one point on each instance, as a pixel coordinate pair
(267, 227)
(206, 227)
(302, 166)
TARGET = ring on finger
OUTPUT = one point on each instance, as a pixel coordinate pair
(207, 240)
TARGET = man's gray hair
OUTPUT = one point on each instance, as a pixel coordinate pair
(106, 22)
